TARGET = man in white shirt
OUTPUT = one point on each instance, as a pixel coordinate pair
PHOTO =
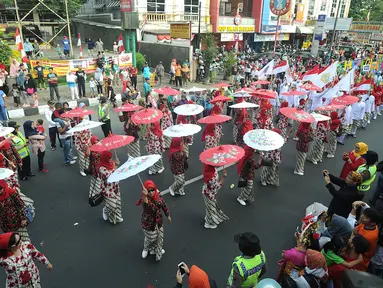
(367, 111)
(357, 115)
(346, 124)
(66, 140)
(52, 125)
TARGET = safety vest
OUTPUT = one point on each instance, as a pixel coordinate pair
(101, 112)
(365, 186)
(19, 141)
(249, 269)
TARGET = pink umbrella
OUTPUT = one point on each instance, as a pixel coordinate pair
(264, 94)
(167, 91)
(260, 82)
(128, 108)
(297, 114)
(147, 116)
(330, 107)
(221, 85)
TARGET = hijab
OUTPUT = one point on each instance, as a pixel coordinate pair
(149, 184)
(249, 154)
(284, 104)
(175, 146)
(363, 148)
(93, 139)
(335, 122)
(316, 264)
(263, 116)
(247, 126)
(106, 160)
(198, 278)
(276, 130)
(6, 190)
(5, 144)
(28, 130)
(208, 172)
(209, 130)
(304, 127)
(216, 110)
(155, 128)
(243, 115)
(181, 119)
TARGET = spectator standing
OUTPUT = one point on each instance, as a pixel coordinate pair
(99, 45)
(40, 75)
(178, 74)
(125, 78)
(146, 71)
(90, 47)
(51, 125)
(115, 72)
(3, 108)
(20, 81)
(133, 77)
(53, 85)
(81, 78)
(92, 87)
(104, 116)
(71, 80)
(66, 141)
(147, 89)
(66, 46)
(30, 86)
(160, 72)
(99, 79)
(28, 48)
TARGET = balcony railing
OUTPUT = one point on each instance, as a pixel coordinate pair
(165, 18)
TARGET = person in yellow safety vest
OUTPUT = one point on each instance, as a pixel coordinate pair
(104, 116)
(368, 171)
(21, 145)
(250, 266)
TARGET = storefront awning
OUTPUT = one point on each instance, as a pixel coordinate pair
(113, 4)
(305, 30)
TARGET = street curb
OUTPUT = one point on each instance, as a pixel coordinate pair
(40, 110)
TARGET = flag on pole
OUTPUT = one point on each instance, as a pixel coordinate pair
(79, 44)
(281, 67)
(343, 85)
(289, 76)
(325, 75)
(20, 46)
(311, 73)
(363, 86)
(266, 70)
(120, 44)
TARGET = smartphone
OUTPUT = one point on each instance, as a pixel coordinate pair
(324, 174)
(181, 268)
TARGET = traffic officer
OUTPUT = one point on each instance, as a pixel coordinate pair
(368, 171)
(104, 116)
(21, 145)
(251, 265)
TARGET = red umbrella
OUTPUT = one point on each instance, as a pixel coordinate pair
(311, 87)
(330, 107)
(112, 142)
(221, 85)
(244, 90)
(222, 155)
(167, 91)
(265, 94)
(6, 141)
(297, 114)
(293, 93)
(214, 119)
(220, 98)
(128, 108)
(344, 100)
(261, 82)
(77, 112)
(147, 116)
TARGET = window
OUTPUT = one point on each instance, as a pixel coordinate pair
(230, 7)
(191, 6)
(332, 14)
(342, 10)
(323, 5)
(156, 6)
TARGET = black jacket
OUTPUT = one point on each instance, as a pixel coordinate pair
(341, 203)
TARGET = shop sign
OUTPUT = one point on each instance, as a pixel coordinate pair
(270, 38)
(377, 36)
(229, 37)
(233, 29)
(126, 6)
(237, 20)
(270, 28)
(180, 30)
(366, 27)
(280, 7)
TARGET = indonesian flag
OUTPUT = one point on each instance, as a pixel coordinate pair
(20, 46)
(267, 70)
(363, 86)
(281, 67)
(120, 44)
(79, 44)
(326, 75)
(311, 73)
(289, 76)
(343, 85)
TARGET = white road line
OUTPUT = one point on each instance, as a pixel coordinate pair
(190, 181)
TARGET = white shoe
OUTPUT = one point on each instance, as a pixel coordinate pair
(240, 201)
(295, 138)
(74, 157)
(182, 193)
(263, 183)
(298, 173)
(119, 219)
(161, 170)
(154, 253)
(72, 162)
(208, 226)
(82, 173)
(150, 172)
(368, 122)
(104, 216)
(189, 144)
(144, 254)
(163, 251)
(171, 191)
(330, 156)
(314, 162)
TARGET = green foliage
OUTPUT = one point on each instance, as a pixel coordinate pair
(140, 61)
(361, 9)
(209, 52)
(229, 62)
(1, 34)
(5, 53)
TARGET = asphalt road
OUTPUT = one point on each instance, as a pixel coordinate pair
(97, 254)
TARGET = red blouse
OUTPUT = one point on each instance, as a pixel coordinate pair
(347, 167)
(152, 215)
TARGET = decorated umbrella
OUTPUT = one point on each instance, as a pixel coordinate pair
(147, 116)
(128, 108)
(6, 140)
(5, 173)
(221, 85)
(344, 100)
(244, 104)
(84, 125)
(220, 98)
(265, 94)
(77, 112)
(111, 142)
(264, 140)
(293, 93)
(188, 109)
(167, 91)
(182, 130)
(133, 166)
(310, 87)
(4, 131)
(330, 107)
(222, 155)
(244, 90)
(297, 114)
(241, 94)
(320, 117)
(194, 90)
(260, 82)
(214, 119)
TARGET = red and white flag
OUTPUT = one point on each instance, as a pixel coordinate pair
(79, 44)
(363, 86)
(281, 67)
(20, 46)
(120, 44)
(311, 73)
(266, 70)
(325, 75)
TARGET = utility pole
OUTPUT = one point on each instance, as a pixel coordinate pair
(68, 23)
(334, 29)
(199, 25)
(19, 22)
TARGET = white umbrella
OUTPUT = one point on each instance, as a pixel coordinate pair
(5, 173)
(188, 109)
(84, 125)
(241, 94)
(133, 166)
(194, 89)
(182, 130)
(244, 104)
(264, 140)
(4, 131)
(320, 117)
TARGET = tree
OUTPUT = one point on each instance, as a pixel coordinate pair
(210, 50)
(228, 63)
(5, 53)
(363, 10)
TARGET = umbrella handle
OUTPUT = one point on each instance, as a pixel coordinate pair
(115, 154)
(138, 175)
(10, 163)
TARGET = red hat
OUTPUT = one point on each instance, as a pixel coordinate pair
(4, 240)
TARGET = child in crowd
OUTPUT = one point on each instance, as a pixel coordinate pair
(58, 50)
(115, 48)
(35, 100)
(16, 95)
(92, 87)
(41, 129)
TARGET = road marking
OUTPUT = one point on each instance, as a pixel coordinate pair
(190, 181)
